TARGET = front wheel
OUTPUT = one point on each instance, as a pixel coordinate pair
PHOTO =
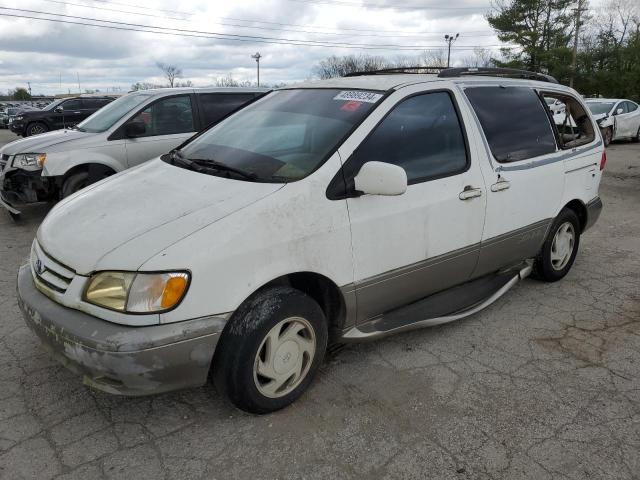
(36, 128)
(560, 248)
(637, 137)
(271, 350)
(73, 183)
(607, 136)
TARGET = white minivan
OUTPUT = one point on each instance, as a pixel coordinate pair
(131, 130)
(341, 210)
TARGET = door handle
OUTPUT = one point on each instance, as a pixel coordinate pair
(500, 185)
(469, 192)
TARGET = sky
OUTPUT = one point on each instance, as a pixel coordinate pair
(216, 38)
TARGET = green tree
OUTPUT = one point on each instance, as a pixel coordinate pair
(541, 30)
(21, 94)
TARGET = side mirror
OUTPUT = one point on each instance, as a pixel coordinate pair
(58, 109)
(135, 129)
(378, 178)
(619, 111)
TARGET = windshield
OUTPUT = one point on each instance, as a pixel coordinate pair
(108, 115)
(284, 136)
(53, 105)
(598, 108)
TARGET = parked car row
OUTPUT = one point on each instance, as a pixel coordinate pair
(340, 210)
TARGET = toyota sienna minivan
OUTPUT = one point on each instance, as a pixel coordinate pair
(341, 210)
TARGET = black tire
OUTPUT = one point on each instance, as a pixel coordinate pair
(637, 137)
(237, 352)
(16, 217)
(607, 136)
(73, 183)
(36, 128)
(543, 267)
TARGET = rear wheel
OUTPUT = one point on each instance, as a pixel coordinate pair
(36, 128)
(560, 247)
(271, 350)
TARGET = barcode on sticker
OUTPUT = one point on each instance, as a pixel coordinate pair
(359, 96)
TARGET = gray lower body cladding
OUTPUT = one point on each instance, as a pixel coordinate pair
(116, 358)
(594, 209)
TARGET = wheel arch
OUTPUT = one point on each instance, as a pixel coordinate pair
(96, 170)
(580, 209)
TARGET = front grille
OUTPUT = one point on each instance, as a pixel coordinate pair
(48, 271)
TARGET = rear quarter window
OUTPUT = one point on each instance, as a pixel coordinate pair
(514, 122)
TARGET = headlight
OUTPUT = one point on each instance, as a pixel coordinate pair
(19, 118)
(137, 292)
(30, 161)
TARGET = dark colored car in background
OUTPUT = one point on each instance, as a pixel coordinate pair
(62, 113)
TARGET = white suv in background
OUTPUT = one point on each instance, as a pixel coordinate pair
(341, 210)
(129, 131)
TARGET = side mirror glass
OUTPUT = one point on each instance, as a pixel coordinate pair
(619, 111)
(58, 109)
(378, 178)
(135, 129)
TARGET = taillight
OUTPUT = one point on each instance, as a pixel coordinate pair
(603, 160)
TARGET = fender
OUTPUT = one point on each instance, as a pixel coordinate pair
(60, 163)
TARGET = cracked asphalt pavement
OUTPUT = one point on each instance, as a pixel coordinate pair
(544, 384)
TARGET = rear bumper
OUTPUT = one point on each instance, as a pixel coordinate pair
(594, 208)
(116, 358)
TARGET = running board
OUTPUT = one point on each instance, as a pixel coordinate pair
(400, 320)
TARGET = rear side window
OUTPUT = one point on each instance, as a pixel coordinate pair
(94, 103)
(422, 134)
(514, 122)
(570, 120)
(215, 106)
(631, 107)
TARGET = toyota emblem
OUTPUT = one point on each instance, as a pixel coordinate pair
(39, 267)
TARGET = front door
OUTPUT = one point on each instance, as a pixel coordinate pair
(408, 246)
(168, 122)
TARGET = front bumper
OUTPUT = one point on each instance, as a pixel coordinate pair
(19, 188)
(594, 209)
(116, 358)
(17, 127)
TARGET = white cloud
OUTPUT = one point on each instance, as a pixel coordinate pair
(42, 52)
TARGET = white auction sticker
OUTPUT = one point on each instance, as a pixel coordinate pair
(358, 96)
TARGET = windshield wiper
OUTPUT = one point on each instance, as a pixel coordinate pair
(202, 165)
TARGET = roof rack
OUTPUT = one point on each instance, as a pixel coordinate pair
(387, 71)
(445, 72)
(496, 72)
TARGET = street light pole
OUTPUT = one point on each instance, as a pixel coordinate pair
(257, 56)
(450, 39)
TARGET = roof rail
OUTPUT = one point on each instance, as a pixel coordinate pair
(387, 71)
(496, 72)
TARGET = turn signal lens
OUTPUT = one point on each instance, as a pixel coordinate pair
(603, 160)
(173, 291)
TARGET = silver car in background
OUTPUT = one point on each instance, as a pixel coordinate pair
(617, 118)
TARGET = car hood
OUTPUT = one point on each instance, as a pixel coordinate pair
(121, 222)
(40, 143)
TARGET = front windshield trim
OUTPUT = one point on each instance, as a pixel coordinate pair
(330, 153)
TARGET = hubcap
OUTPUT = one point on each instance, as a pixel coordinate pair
(562, 246)
(36, 129)
(284, 357)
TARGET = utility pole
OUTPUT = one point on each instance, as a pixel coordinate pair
(578, 10)
(257, 56)
(29, 83)
(450, 39)
(79, 89)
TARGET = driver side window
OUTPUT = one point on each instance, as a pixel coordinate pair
(167, 116)
(422, 134)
